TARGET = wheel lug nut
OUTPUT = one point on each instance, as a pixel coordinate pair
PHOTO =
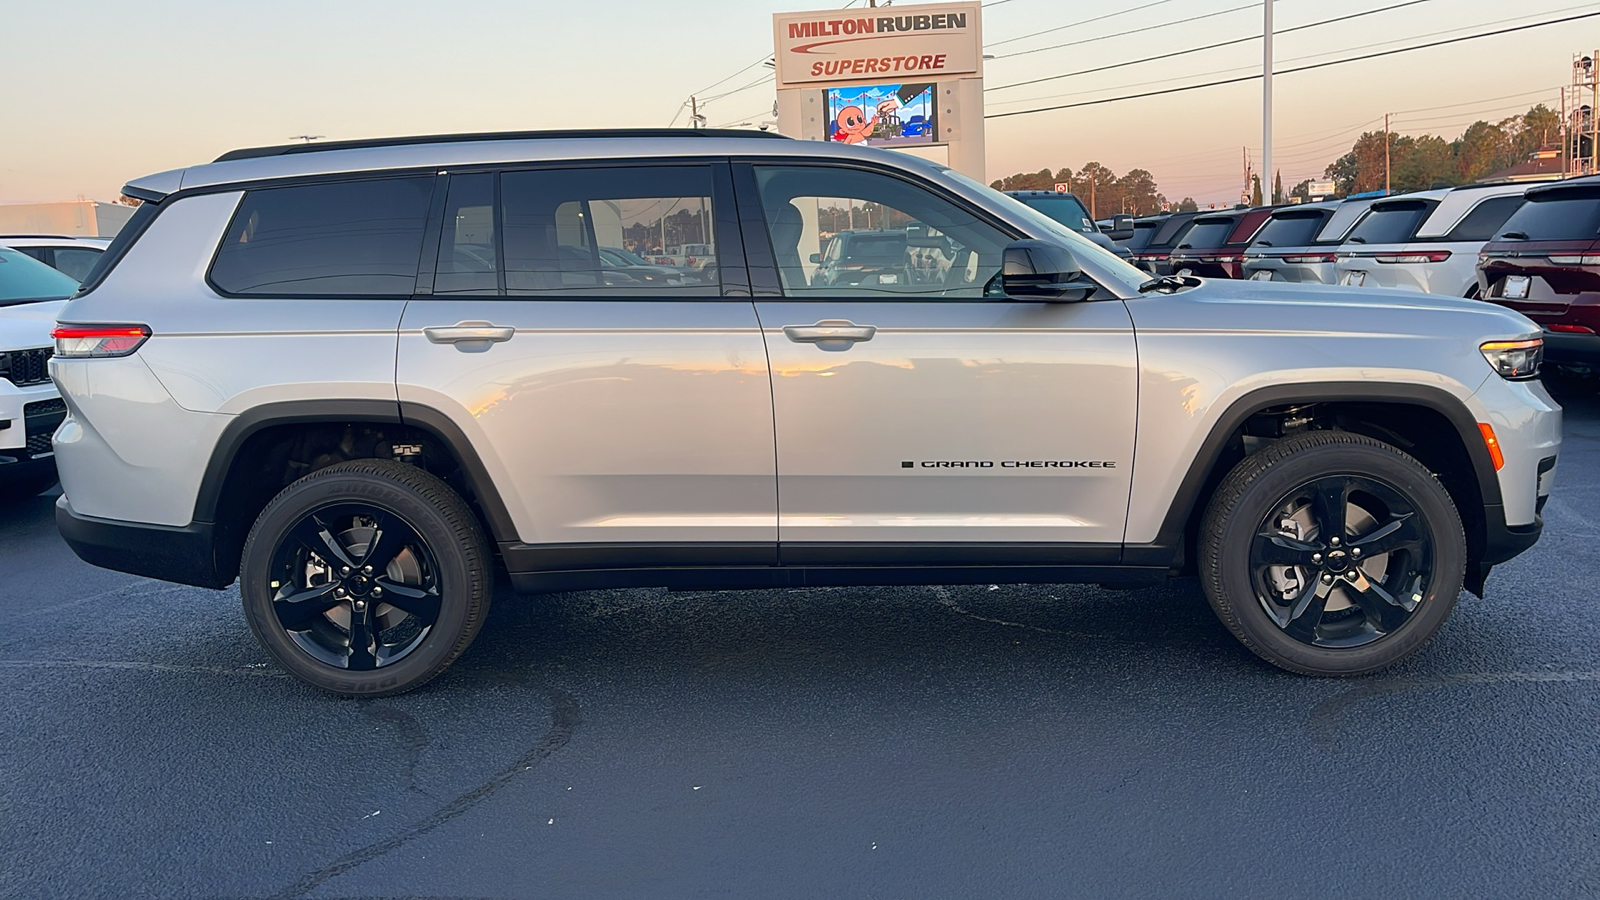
(1316, 557)
(367, 569)
(1334, 541)
(377, 591)
(1327, 579)
(1355, 551)
(344, 570)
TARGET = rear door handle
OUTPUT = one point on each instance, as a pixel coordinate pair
(830, 334)
(470, 337)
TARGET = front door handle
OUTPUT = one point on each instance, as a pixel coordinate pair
(830, 334)
(470, 337)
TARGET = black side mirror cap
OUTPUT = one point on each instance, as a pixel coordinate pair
(1040, 270)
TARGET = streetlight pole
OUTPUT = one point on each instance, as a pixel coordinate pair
(1266, 101)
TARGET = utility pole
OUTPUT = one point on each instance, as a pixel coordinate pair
(1386, 154)
(695, 119)
(1266, 97)
(1092, 213)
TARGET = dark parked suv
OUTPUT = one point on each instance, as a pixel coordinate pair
(1214, 245)
(1546, 265)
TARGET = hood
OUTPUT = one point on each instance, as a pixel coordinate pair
(1290, 308)
(28, 325)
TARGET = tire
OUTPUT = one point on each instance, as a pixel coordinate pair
(336, 625)
(1306, 603)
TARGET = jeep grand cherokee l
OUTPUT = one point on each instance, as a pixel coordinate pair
(283, 377)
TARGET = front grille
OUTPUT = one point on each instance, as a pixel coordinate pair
(26, 367)
(39, 444)
(45, 407)
(42, 417)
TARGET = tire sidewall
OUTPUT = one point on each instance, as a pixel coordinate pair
(457, 584)
(1238, 529)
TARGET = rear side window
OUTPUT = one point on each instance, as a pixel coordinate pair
(1565, 217)
(1485, 219)
(1294, 229)
(555, 223)
(1391, 223)
(341, 239)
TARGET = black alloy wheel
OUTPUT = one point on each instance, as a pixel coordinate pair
(1332, 553)
(366, 578)
(1341, 561)
(354, 586)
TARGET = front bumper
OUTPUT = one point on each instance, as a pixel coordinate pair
(182, 554)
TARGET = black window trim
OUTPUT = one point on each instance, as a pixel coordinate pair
(763, 261)
(341, 178)
(134, 229)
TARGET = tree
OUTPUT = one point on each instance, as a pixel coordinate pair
(1139, 192)
(1424, 162)
(1277, 188)
(1255, 190)
(1302, 191)
(1481, 149)
(1188, 205)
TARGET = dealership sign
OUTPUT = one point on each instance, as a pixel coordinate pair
(927, 42)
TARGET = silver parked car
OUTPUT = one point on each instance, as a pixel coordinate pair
(288, 376)
(1299, 243)
(1427, 241)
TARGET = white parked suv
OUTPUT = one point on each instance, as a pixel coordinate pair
(287, 374)
(31, 294)
(1427, 241)
(73, 255)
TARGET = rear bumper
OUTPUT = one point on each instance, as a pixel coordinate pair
(180, 554)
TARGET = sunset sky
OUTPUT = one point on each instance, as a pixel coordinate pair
(114, 90)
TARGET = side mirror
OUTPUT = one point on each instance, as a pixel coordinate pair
(816, 258)
(1040, 270)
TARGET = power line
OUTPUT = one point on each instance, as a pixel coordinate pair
(1400, 112)
(1107, 37)
(1227, 43)
(1321, 65)
(1120, 12)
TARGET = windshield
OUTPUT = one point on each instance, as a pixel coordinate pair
(889, 247)
(24, 279)
(1561, 218)
(1065, 209)
(1296, 229)
(619, 257)
(1041, 225)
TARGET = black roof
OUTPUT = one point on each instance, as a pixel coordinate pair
(577, 133)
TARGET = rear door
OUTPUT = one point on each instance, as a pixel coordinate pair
(922, 416)
(624, 414)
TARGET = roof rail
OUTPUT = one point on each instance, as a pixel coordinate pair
(285, 149)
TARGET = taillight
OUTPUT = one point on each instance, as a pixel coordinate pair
(1569, 329)
(1314, 258)
(1587, 259)
(1430, 256)
(98, 341)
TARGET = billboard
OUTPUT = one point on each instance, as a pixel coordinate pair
(928, 42)
(882, 115)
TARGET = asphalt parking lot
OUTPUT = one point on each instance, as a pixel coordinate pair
(918, 742)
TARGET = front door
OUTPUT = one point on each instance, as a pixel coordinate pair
(622, 408)
(917, 407)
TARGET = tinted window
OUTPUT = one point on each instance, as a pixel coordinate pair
(556, 222)
(24, 279)
(39, 253)
(1208, 233)
(353, 238)
(1296, 229)
(467, 243)
(1169, 230)
(76, 261)
(889, 237)
(1392, 223)
(1142, 234)
(1065, 209)
(1566, 217)
(1484, 222)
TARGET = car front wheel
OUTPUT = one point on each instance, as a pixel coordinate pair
(366, 578)
(1332, 553)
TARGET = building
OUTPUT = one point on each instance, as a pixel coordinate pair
(71, 218)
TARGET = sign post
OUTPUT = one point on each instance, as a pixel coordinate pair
(903, 77)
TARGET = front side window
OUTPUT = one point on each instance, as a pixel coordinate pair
(586, 231)
(883, 237)
(337, 239)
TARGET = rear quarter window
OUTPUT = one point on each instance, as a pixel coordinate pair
(338, 239)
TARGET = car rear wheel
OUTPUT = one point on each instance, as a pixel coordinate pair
(366, 578)
(1332, 553)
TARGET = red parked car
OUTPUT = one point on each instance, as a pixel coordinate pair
(1545, 264)
(1214, 245)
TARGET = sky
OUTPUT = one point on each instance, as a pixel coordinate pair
(104, 91)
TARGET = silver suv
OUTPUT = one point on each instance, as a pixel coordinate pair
(359, 377)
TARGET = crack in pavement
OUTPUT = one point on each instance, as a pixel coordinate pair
(565, 717)
(950, 603)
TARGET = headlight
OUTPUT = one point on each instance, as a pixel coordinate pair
(1515, 359)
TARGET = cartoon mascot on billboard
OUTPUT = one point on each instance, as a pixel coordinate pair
(853, 125)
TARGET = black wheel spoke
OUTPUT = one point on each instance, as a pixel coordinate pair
(363, 638)
(1307, 612)
(1401, 533)
(390, 536)
(419, 602)
(317, 538)
(298, 608)
(1383, 610)
(1282, 550)
(1328, 499)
